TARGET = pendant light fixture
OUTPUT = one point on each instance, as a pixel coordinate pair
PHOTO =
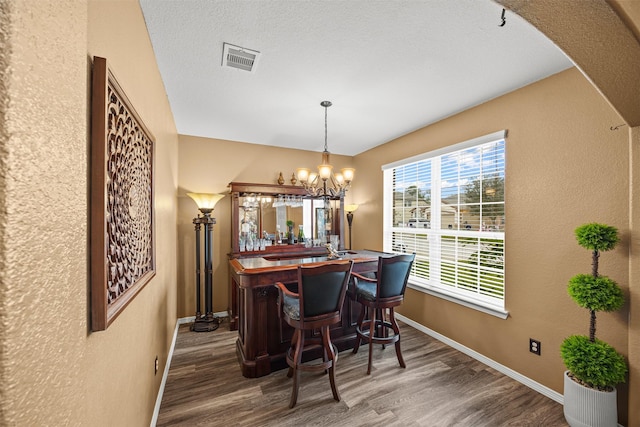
(325, 183)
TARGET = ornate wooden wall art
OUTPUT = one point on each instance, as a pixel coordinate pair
(122, 199)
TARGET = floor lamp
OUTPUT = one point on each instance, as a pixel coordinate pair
(350, 210)
(206, 202)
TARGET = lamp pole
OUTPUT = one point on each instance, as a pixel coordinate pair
(349, 220)
(350, 210)
(207, 322)
(206, 202)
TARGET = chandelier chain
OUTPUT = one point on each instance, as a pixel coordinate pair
(325, 128)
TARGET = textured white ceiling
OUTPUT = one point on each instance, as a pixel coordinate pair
(389, 67)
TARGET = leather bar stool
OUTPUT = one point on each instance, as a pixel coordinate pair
(377, 295)
(317, 305)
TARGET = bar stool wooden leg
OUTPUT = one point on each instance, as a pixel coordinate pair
(382, 330)
(396, 331)
(297, 361)
(326, 343)
(356, 346)
(372, 333)
(291, 352)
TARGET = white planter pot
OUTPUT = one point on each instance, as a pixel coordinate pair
(586, 407)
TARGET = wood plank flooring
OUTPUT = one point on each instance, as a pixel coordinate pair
(439, 387)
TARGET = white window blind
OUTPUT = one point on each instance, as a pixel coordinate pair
(448, 207)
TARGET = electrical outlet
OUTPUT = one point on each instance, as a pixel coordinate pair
(156, 366)
(535, 346)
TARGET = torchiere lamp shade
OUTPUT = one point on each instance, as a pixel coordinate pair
(350, 210)
(205, 201)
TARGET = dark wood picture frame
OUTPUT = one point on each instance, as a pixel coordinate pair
(122, 199)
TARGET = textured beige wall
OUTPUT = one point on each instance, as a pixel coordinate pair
(53, 371)
(120, 373)
(208, 166)
(565, 167)
(629, 12)
(43, 212)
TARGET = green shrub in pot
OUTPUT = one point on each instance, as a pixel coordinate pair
(590, 361)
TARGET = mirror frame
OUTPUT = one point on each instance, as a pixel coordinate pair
(240, 189)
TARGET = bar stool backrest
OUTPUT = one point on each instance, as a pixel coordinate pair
(393, 275)
(322, 289)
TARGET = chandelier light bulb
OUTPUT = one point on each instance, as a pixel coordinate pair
(348, 174)
(325, 171)
(303, 174)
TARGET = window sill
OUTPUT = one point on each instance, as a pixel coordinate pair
(502, 314)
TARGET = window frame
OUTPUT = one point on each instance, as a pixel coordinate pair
(392, 233)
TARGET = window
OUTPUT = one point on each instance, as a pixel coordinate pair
(448, 207)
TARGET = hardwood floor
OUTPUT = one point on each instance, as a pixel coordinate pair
(439, 387)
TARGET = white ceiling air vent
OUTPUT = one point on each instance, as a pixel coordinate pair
(239, 57)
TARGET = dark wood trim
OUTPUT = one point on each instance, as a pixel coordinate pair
(103, 312)
(266, 189)
(98, 195)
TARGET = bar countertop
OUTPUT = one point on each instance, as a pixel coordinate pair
(260, 265)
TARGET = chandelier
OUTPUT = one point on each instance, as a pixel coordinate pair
(325, 183)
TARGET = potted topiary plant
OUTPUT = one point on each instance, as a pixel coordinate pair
(594, 368)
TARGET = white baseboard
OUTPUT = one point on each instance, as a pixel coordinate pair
(165, 374)
(544, 390)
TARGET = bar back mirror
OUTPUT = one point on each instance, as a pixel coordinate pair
(284, 215)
